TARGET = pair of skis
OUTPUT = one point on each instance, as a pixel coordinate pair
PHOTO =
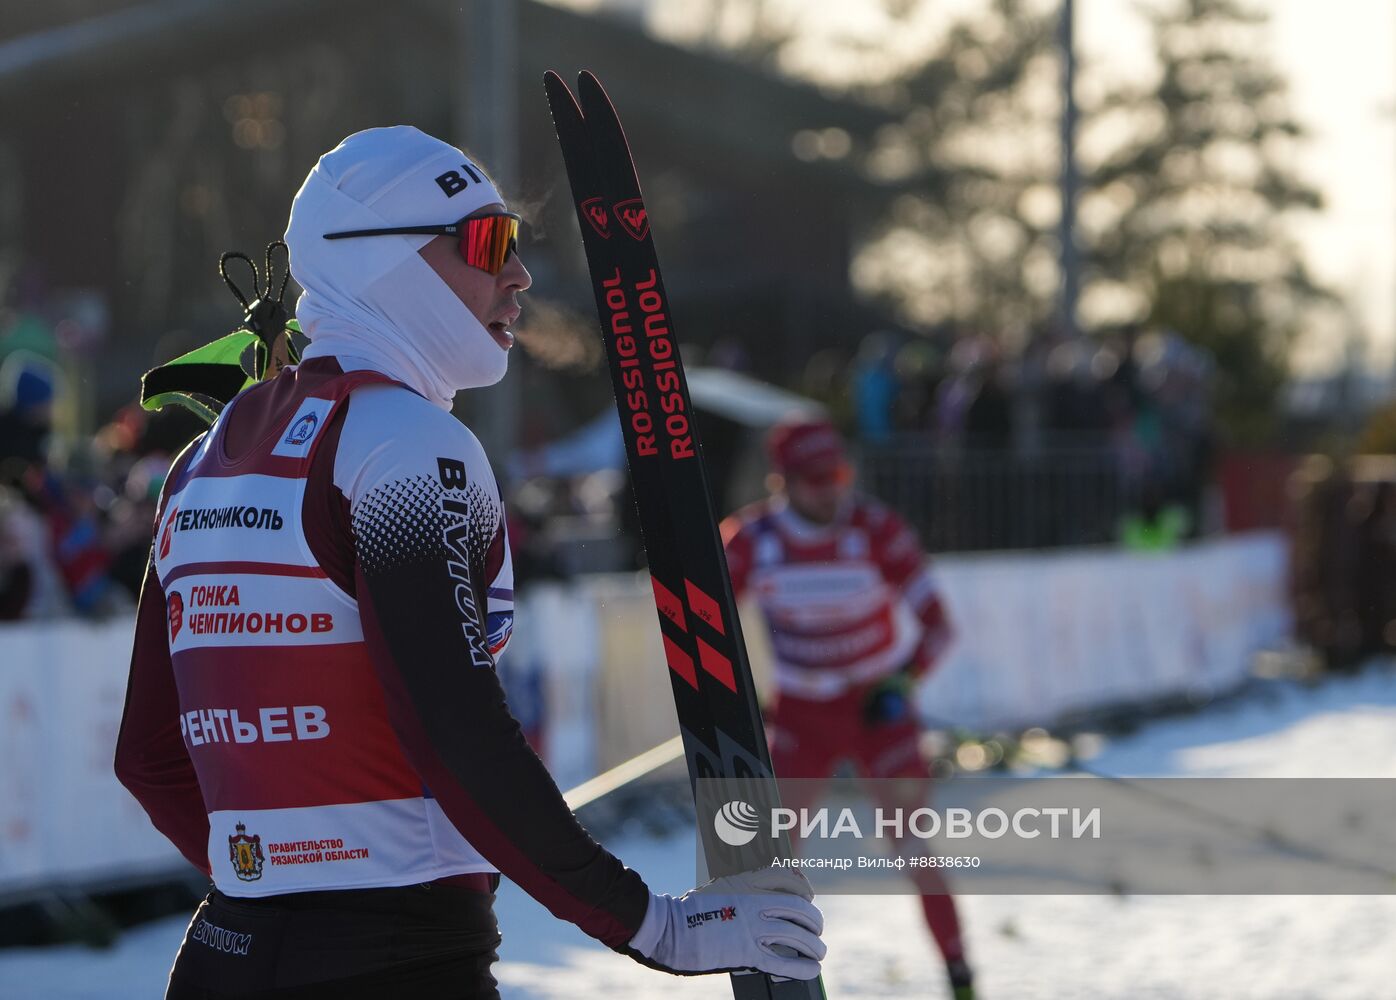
(719, 718)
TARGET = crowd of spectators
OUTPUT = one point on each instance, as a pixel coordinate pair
(1146, 396)
(75, 511)
(1069, 441)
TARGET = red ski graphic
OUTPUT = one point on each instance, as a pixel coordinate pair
(633, 218)
(594, 210)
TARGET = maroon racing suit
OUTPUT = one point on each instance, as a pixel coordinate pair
(849, 605)
(313, 716)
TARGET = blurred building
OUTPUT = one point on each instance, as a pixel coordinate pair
(140, 140)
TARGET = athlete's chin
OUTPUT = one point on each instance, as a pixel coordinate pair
(820, 514)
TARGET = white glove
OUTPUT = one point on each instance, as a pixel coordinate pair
(756, 920)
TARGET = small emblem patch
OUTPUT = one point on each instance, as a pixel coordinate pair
(246, 855)
(303, 428)
(175, 607)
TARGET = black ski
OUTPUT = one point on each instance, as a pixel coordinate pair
(719, 718)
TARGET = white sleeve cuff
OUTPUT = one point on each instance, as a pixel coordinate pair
(652, 928)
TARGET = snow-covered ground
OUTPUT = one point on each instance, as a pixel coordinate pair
(1025, 948)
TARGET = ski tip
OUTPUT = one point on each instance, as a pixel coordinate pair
(595, 102)
(592, 94)
(558, 94)
(553, 81)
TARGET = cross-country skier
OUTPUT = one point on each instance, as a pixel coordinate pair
(313, 715)
(855, 620)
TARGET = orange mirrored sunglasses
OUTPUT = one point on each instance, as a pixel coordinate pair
(486, 241)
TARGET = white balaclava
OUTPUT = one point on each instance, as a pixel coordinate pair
(374, 298)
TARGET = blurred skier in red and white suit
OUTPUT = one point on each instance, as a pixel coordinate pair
(855, 620)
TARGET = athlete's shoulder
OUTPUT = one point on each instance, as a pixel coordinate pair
(390, 432)
(397, 415)
(180, 466)
(873, 515)
(747, 520)
(756, 511)
(895, 545)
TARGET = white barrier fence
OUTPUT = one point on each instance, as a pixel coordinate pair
(63, 816)
(1046, 635)
(1039, 636)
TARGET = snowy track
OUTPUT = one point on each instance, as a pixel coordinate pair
(1026, 948)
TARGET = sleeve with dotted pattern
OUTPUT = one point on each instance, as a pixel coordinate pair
(426, 515)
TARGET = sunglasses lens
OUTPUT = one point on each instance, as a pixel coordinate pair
(486, 241)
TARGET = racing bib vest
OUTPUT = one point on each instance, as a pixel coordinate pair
(846, 603)
(305, 783)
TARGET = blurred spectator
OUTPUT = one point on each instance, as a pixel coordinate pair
(130, 522)
(825, 379)
(989, 417)
(535, 558)
(1076, 404)
(918, 369)
(75, 529)
(85, 520)
(973, 409)
(27, 327)
(955, 395)
(29, 587)
(16, 572)
(875, 386)
(26, 411)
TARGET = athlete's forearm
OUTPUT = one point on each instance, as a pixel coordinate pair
(936, 636)
(448, 710)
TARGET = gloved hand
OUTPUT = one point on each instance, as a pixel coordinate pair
(756, 920)
(890, 699)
